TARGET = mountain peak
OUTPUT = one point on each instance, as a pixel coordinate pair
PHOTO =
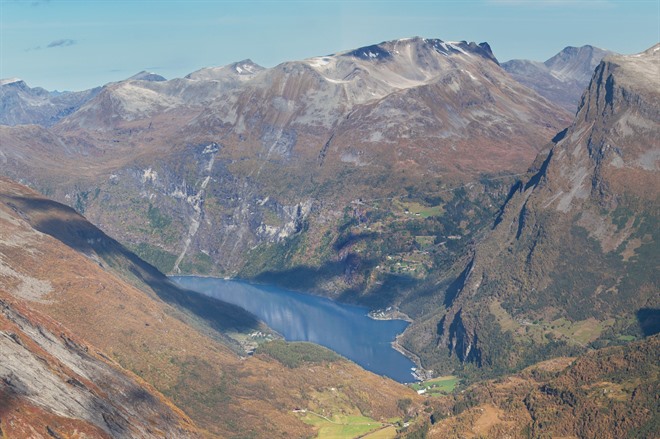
(387, 49)
(576, 62)
(246, 67)
(8, 81)
(373, 52)
(563, 77)
(637, 72)
(572, 51)
(147, 76)
(564, 223)
(244, 70)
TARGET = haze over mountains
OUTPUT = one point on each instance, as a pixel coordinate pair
(20, 104)
(413, 173)
(562, 78)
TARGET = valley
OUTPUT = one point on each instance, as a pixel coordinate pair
(168, 351)
(347, 330)
(259, 173)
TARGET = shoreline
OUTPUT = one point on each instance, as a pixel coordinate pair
(419, 373)
(389, 314)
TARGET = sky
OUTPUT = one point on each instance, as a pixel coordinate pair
(80, 44)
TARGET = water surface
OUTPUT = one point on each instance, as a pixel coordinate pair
(346, 329)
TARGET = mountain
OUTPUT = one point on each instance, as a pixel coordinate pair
(239, 70)
(302, 171)
(571, 261)
(96, 341)
(562, 78)
(20, 104)
(390, 175)
(147, 76)
(57, 282)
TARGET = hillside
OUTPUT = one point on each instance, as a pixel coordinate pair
(608, 393)
(73, 323)
(54, 384)
(572, 260)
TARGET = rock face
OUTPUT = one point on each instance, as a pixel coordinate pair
(54, 385)
(562, 78)
(242, 169)
(572, 258)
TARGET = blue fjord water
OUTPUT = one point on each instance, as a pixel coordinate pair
(345, 329)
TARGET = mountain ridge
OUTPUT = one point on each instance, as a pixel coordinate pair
(231, 164)
(370, 181)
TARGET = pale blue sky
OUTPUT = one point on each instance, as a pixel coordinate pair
(78, 44)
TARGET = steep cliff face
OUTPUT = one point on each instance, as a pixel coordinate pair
(572, 259)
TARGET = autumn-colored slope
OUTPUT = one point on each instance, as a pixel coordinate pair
(609, 393)
(55, 384)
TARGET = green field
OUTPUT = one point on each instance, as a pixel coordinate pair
(626, 337)
(344, 427)
(437, 386)
(388, 432)
(425, 241)
(417, 209)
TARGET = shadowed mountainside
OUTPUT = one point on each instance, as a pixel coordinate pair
(66, 225)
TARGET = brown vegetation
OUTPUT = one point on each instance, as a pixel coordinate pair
(608, 393)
